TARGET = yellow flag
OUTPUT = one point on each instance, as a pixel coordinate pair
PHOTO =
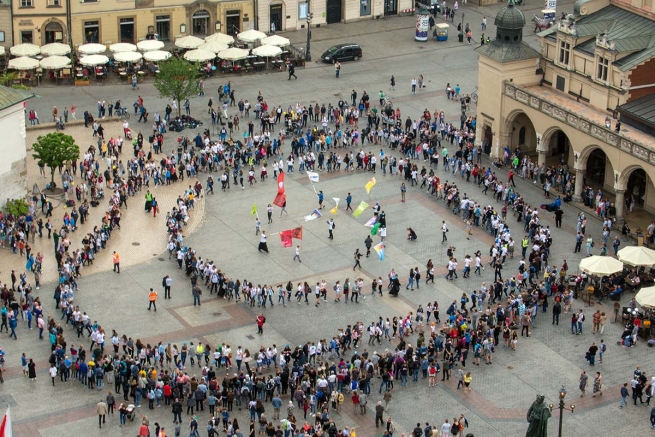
(362, 206)
(253, 211)
(336, 207)
(370, 184)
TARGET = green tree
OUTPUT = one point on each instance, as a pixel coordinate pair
(53, 150)
(17, 207)
(177, 79)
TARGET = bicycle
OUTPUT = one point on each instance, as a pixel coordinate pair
(474, 96)
(123, 113)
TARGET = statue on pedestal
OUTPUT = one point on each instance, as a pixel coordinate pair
(538, 416)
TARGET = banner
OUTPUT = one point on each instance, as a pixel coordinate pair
(296, 233)
(371, 222)
(374, 231)
(370, 184)
(281, 198)
(253, 211)
(313, 177)
(379, 248)
(336, 207)
(313, 216)
(5, 426)
(360, 209)
(286, 238)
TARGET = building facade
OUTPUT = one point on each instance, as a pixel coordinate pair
(287, 15)
(39, 22)
(13, 171)
(563, 105)
(112, 21)
(6, 34)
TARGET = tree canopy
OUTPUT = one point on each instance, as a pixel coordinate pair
(177, 79)
(53, 150)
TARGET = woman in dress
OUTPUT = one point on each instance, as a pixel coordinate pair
(31, 370)
(598, 385)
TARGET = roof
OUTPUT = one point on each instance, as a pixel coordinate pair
(642, 109)
(510, 17)
(630, 32)
(10, 96)
(504, 53)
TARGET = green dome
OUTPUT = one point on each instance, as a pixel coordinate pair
(510, 18)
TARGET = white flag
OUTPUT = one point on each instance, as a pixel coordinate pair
(313, 177)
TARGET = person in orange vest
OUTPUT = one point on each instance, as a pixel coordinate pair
(153, 299)
(117, 262)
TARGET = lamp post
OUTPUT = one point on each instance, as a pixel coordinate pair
(308, 54)
(562, 407)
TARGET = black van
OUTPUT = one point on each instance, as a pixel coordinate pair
(342, 52)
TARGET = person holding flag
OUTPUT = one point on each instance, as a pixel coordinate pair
(320, 200)
(263, 247)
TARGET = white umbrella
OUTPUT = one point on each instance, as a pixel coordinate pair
(156, 55)
(637, 256)
(92, 48)
(93, 60)
(55, 49)
(127, 56)
(267, 51)
(213, 46)
(220, 38)
(55, 62)
(25, 50)
(251, 35)
(23, 63)
(122, 47)
(150, 44)
(601, 265)
(276, 40)
(646, 297)
(233, 54)
(199, 55)
(188, 42)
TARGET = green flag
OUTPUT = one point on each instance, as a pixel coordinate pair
(253, 211)
(360, 209)
(375, 228)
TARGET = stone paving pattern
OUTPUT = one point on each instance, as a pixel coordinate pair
(223, 230)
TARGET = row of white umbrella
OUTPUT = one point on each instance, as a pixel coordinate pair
(606, 265)
(230, 54)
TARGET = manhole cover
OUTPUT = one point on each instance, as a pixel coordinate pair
(161, 259)
(136, 244)
(510, 367)
(250, 337)
(216, 314)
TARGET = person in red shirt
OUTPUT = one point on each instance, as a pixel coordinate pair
(260, 324)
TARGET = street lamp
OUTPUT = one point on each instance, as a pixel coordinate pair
(308, 55)
(562, 407)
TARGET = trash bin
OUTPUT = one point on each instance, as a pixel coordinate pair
(460, 38)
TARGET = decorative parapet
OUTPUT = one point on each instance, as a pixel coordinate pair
(563, 115)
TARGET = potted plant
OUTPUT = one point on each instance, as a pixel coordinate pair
(82, 81)
(301, 61)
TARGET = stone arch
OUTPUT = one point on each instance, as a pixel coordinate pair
(555, 142)
(521, 132)
(54, 21)
(598, 167)
(199, 25)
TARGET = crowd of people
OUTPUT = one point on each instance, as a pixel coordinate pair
(318, 374)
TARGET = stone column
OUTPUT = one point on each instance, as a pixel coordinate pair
(619, 203)
(579, 184)
(541, 157)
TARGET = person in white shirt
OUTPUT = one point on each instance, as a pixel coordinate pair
(445, 429)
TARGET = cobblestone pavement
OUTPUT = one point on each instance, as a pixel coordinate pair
(223, 230)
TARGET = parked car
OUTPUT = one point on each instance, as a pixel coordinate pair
(342, 52)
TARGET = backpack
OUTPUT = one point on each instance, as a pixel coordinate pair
(163, 282)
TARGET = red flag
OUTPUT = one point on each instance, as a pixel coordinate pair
(296, 233)
(286, 238)
(5, 426)
(280, 183)
(280, 199)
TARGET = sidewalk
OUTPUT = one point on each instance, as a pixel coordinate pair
(131, 242)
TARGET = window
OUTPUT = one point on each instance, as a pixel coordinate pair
(91, 31)
(560, 83)
(2, 36)
(163, 27)
(564, 52)
(303, 10)
(54, 2)
(603, 67)
(26, 3)
(127, 29)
